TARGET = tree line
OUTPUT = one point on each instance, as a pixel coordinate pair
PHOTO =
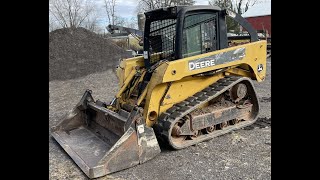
(83, 13)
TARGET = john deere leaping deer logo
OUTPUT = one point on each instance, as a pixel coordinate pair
(260, 67)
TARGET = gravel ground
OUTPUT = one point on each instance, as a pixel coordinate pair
(242, 154)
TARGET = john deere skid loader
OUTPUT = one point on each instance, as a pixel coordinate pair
(188, 87)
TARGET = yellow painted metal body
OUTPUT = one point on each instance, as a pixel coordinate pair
(172, 82)
(126, 66)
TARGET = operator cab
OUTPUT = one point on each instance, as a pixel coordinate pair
(183, 31)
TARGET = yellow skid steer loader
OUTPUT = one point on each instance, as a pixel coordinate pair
(189, 86)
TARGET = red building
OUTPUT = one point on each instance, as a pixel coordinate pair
(259, 16)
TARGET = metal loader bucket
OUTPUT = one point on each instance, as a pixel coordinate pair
(101, 141)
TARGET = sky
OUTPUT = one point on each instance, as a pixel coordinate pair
(125, 9)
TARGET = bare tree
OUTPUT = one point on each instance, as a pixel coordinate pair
(115, 19)
(132, 23)
(239, 6)
(71, 13)
(110, 9)
(52, 23)
(146, 5)
(91, 23)
(119, 21)
(248, 4)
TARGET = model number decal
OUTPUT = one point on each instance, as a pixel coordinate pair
(216, 59)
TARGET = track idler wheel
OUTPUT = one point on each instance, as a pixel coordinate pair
(238, 92)
(176, 131)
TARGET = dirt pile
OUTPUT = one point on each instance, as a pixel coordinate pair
(79, 52)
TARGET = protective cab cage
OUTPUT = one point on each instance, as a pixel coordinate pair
(167, 31)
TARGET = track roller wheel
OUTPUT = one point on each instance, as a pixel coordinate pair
(237, 121)
(210, 129)
(196, 134)
(224, 124)
(232, 122)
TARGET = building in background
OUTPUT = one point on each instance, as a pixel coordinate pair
(259, 16)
